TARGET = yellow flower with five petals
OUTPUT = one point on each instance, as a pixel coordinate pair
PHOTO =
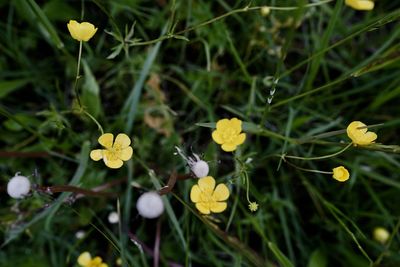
(209, 198)
(361, 136)
(360, 4)
(341, 174)
(115, 152)
(228, 134)
(81, 31)
(85, 260)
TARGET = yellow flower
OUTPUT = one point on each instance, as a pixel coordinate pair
(81, 31)
(85, 260)
(114, 153)
(228, 134)
(341, 174)
(360, 4)
(209, 198)
(360, 137)
(381, 235)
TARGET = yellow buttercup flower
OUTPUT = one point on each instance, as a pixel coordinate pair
(359, 136)
(360, 4)
(341, 174)
(228, 134)
(85, 260)
(115, 152)
(209, 198)
(81, 31)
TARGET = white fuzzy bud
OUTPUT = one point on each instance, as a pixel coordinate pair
(150, 205)
(80, 234)
(200, 168)
(113, 217)
(18, 186)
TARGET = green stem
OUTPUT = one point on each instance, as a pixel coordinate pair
(321, 157)
(240, 10)
(94, 120)
(307, 170)
(77, 75)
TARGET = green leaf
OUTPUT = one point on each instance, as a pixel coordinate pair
(282, 259)
(317, 259)
(7, 87)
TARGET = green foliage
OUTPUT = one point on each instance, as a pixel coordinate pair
(164, 72)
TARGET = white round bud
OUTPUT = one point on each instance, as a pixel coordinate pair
(113, 217)
(80, 234)
(150, 205)
(18, 186)
(200, 168)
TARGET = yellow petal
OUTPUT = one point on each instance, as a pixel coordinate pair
(126, 153)
(221, 193)
(368, 138)
(73, 26)
(87, 30)
(222, 124)
(113, 164)
(203, 207)
(239, 139)
(236, 125)
(228, 147)
(216, 136)
(360, 4)
(97, 260)
(195, 193)
(106, 140)
(103, 265)
(207, 184)
(96, 154)
(84, 259)
(217, 207)
(122, 140)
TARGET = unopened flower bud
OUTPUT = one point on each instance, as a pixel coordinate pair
(18, 186)
(381, 235)
(150, 205)
(198, 167)
(113, 217)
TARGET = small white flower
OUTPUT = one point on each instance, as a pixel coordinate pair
(18, 186)
(113, 217)
(198, 167)
(150, 205)
(80, 234)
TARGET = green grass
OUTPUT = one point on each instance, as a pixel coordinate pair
(164, 72)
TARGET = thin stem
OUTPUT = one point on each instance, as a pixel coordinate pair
(307, 170)
(73, 189)
(94, 120)
(77, 75)
(240, 10)
(321, 157)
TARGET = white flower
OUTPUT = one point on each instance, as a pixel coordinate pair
(113, 217)
(150, 205)
(18, 186)
(198, 167)
(80, 234)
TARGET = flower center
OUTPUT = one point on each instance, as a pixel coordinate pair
(228, 135)
(114, 152)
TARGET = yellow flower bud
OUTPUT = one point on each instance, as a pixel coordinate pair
(381, 235)
(81, 31)
(265, 11)
(341, 174)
